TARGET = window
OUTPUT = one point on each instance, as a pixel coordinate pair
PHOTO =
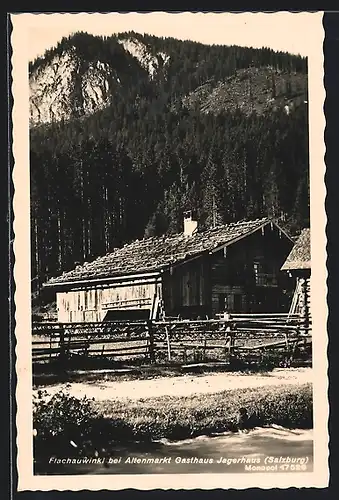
(256, 269)
(264, 273)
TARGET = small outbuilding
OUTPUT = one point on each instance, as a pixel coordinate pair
(233, 267)
(298, 266)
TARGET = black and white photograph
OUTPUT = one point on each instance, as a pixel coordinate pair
(170, 250)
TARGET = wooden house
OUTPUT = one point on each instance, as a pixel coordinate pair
(298, 266)
(233, 267)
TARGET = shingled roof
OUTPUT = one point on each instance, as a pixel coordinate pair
(156, 253)
(300, 255)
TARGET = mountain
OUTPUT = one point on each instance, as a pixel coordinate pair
(129, 131)
(73, 80)
(252, 89)
(84, 74)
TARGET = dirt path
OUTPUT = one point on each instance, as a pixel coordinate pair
(183, 385)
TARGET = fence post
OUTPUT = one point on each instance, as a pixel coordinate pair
(231, 345)
(184, 355)
(229, 330)
(294, 349)
(304, 313)
(50, 345)
(232, 341)
(62, 355)
(287, 343)
(151, 341)
(168, 344)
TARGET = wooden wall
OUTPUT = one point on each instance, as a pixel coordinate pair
(234, 284)
(186, 289)
(92, 303)
(228, 278)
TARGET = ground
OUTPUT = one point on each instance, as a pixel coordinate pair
(182, 385)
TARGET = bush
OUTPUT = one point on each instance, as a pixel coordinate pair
(62, 423)
(61, 414)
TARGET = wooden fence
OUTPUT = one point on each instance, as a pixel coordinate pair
(110, 339)
(172, 340)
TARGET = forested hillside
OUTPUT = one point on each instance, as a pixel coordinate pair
(127, 132)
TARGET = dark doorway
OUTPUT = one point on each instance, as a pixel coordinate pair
(127, 315)
(237, 304)
(222, 302)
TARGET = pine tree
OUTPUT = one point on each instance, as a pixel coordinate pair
(133, 168)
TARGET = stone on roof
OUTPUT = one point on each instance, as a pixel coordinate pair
(157, 253)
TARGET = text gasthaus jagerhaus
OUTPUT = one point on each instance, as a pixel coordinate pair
(260, 464)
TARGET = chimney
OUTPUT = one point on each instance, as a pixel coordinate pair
(190, 225)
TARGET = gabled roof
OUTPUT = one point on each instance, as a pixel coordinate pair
(157, 253)
(300, 255)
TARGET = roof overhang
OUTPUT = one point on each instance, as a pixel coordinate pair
(248, 233)
(295, 266)
(106, 281)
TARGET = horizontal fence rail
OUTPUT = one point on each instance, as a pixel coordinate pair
(172, 339)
